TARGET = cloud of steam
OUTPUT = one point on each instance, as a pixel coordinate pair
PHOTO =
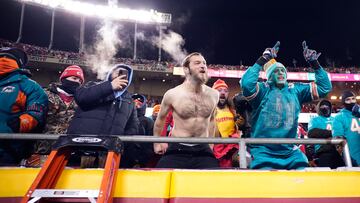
(140, 36)
(172, 43)
(179, 22)
(105, 48)
(112, 2)
(101, 54)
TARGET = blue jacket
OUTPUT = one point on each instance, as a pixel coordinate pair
(21, 95)
(348, 126)
(276, 111)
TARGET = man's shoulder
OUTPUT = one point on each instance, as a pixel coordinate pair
(175, 91)
(207, 88)
(339, 116)
(28, 84)
(211, 91)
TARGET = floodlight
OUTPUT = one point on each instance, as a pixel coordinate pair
(103, 11)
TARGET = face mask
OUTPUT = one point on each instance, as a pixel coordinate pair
(349, 106)
(350, 102)
(324, 111)
(69, 86)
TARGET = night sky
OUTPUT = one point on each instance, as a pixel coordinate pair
(226, 32)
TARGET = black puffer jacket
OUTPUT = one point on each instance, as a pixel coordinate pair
(101, 113)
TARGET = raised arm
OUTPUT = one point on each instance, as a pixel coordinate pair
(93, 93)
(322, 85)
(249, 80)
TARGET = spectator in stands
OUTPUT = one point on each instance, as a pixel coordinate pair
(23, 105)
(276, 105)
(156, 110)
(225, 127)
(320, 127)
(147, 124)
(142, 151)
(193, 105)
(243, 114)
(61, 110)
(106, 108)
(347, 125)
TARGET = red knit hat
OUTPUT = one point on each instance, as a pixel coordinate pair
(219, 83)
(73, 71)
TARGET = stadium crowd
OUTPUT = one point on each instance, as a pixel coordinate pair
(107, 107)
(42, 51)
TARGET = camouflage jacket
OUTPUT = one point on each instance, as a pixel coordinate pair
(58, 118)
(59, 114)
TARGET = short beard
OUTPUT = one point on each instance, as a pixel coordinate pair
(223, 105)
(201, 80)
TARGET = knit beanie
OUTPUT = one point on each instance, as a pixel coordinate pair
(270, 66)
(15, 53)
(73, 71)
(346, 94)
(219, 83)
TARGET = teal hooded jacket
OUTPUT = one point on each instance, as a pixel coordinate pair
(276, 111)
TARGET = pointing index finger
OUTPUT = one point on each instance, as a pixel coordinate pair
(304, 45)
(277, 46)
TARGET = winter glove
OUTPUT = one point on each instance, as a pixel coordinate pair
(22, 124)
(269, 54)
(14, 124)
(239, 120)
(311, 56)
(356, 110)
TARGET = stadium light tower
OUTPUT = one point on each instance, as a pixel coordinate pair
(110, 12)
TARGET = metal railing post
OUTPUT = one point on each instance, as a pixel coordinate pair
(242, 154)
(346, 153)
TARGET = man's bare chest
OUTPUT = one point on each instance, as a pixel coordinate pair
(192, 105)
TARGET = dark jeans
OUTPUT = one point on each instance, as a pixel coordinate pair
(329, 157)
(188, 157)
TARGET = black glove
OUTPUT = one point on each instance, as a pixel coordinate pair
(14, 124)
(311, 56)
(241, 104)
(356, 110)
(239, 120)
(269, 54)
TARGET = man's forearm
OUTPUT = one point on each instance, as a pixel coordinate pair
(323, 82)
(158, 127)
(250, 79)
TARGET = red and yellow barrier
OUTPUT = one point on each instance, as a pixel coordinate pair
(179, 186)
(265, 186)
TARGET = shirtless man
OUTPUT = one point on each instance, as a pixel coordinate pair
(193, 105)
